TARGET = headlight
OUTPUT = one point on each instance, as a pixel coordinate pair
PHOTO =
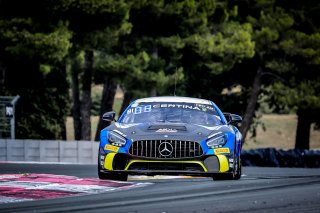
(116, 139)
(217, 141)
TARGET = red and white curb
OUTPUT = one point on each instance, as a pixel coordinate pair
(25, 187)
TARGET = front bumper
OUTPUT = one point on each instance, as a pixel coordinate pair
(204, 166)
(162, 172)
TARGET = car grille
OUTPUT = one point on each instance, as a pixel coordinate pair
(165, 149)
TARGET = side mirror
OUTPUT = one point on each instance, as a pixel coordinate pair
(109, 116)
(232, 118)
(236, 118)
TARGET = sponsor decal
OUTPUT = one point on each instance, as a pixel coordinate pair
(221, 150)
(138, 109)
(167, 130)
(111, 148)
(198, 107)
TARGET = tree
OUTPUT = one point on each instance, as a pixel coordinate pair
(270, 23)
(132, 71)
(286, 48)
(302, 98)
(209, 58)
(32, 50)
(95, 25)
(189, 35)
(301, 91)
(302, 49)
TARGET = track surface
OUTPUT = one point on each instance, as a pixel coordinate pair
(259, 190)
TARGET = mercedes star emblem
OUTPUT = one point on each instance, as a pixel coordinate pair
(165, 149)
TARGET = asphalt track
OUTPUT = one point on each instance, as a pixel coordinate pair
(259, 190)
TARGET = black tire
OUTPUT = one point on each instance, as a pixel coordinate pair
(238, 169)
(121, 177)
(223, 177)
(110, 176)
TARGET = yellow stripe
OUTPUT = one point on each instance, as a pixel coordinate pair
(224, 165)
(109, 160)
(147, 161)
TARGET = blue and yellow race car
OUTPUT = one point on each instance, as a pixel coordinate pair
(170, 136)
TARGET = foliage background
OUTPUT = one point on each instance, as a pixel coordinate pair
(248, 56)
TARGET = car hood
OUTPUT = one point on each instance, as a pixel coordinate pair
(167, 131)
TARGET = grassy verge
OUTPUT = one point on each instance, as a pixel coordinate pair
(280, 133)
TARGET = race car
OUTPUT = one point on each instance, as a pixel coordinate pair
(171, 136)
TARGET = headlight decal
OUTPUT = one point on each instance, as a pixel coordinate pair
(214, 134)
(116, 139)
(120, 133)
(217, 141)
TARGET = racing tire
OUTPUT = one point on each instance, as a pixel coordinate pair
(223, 177)
(112, 176)
(238, 172)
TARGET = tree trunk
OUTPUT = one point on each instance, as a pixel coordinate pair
(2, 78)
(127, 98)
(65, 89)
(75, 68)
(108, 94)
(2, 87)
(251, 106)
(86, 96)
(303, 130)
(153, 92)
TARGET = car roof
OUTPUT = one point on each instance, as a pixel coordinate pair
(174, 99)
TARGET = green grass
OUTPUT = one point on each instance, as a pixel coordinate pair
(280, 133)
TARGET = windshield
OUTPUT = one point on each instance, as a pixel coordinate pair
(172, 112)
